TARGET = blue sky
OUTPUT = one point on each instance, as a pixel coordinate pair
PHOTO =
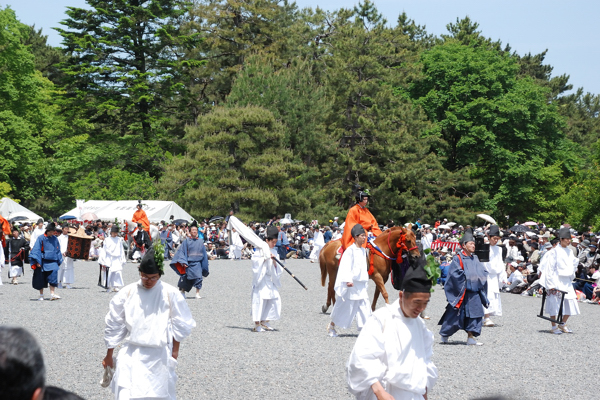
(568, 29)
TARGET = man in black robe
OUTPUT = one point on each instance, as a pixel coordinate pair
(17, 248)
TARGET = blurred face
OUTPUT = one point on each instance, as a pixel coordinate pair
(511, 242)
(271, 242)
(65, 231)
(113, 234)
(469, 247)
(149, 280)
(413, 304)
(15, 234)
(194, 232)
(360, 239)
(565, 242)
(364, 201)
(494, 240)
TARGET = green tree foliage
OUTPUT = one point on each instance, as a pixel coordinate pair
(500, 126)
(114, 184)
(235, 159)
(26, 115)
(124, 70)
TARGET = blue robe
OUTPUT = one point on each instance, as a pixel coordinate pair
(46, 254)
(466, 292)
(193, 254)
(167, 240)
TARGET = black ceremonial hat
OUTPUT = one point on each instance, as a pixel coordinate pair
(195, 223)
(564, 233)
(467, 237)
(148, 264)
(494, 231)
(272, 232)
(51, 227)
(416, 280)
(357, 230)
(114, 229)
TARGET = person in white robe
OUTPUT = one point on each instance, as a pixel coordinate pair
(149, 318)
(352, 298)
(236, 246)
(113, 258)
(37, 232)
(66, 272)
(318, 243)
(266, 301)
(558, 267)
(2, 261)
(391, 358)
(495, 269)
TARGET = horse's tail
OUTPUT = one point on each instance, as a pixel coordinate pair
(323, 264)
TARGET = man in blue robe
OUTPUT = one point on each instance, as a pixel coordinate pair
(466, 292)
(191, 262)
(46, 259)
(167, 240)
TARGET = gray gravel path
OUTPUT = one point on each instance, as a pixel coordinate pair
(222, 359)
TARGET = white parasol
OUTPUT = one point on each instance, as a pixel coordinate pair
(444, 227)
(487, 218)
(451, 224)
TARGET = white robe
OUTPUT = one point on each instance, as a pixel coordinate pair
(112, 256)
(36, 233)
(495, 269)
(146, 321)
(351, 301)
(558, 270)
(396, 351)
(235, 248)
(66, 272)
(2, 263)
(318, 243)
(266, 302)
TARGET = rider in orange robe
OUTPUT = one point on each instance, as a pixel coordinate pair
(359, 214)
(5, 228)
(140, 216)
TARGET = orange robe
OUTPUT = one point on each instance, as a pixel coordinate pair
(140, 216)
(359, 215)
(6, 229)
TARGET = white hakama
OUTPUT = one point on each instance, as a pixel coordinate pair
(266, 302)
(2, 262)
(318, 244)
(236, 246)
(352, 301)
(113, 257)
(396, 351)
(495, 268)
(66, 271)
(558, 268)
(147, 320)
(16, 271)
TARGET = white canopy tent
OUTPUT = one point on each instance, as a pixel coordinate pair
(156, 210)
(10, 209)
(90, 206)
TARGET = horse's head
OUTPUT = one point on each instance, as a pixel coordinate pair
(130, 226)
(411, 242)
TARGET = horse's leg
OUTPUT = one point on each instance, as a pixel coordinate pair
(375, 298)
(379, 288)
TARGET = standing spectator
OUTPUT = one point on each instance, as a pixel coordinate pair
(37, 232)
(318, 243)
(335, 222)
(282, 244)
(66, 272)
(327, 235)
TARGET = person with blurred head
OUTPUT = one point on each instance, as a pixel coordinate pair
(495, 270)
(391, 358)
(66, 272)
(557, 270)
(190, 262)
(466, 292)
(37, 232)
(17, 247)
(46, 258)
(266, 301)
(352, 298)
(22, 370)
(148, 319)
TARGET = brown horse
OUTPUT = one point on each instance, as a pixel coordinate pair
(391, 242)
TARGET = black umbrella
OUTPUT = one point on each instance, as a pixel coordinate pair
(20, 218)
(180, 221)
(216, 218)
(519, 228)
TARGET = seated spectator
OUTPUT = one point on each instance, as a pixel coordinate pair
(515, 278)
(210, 251)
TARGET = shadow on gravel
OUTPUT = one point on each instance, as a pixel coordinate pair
(549, 332)
(347, 335)
(240, 327)
(455, 344)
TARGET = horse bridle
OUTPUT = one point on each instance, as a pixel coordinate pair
(399, 249)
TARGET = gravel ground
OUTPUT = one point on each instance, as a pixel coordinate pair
(520, 359)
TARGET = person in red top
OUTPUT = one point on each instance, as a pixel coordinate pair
(359, 214)
(140, 216)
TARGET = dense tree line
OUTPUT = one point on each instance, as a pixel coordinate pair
(266, 108)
